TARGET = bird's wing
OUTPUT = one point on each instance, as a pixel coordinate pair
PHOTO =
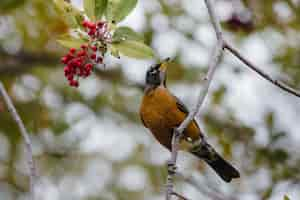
(181, 106)
(141, 116)
(194, 134)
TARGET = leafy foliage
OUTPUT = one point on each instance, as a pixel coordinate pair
(115, 11)
(94, 9)
(134, 49)
(68, 41)
(126, 33)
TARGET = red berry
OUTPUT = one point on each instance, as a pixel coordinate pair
(81, 72)
(85, 23)
(78, 63)
(92, 32)
(72, 50)
(69, 56)
(66, 69)
(88, 66)
(64, 60)
(87, 73)
(74, 83)
(81, 53)
(91, 25)
(70, 77)
(93, 56)
(100, 24)
(94, 48)
(83, 46)
(71, 64)
(99, 60)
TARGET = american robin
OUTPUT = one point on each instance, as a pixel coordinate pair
(161, 112)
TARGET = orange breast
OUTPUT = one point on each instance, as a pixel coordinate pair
(160, 114)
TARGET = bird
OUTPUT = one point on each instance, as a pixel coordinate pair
(161, 112)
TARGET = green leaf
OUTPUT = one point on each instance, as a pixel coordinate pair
(71, 15)
(117, 10)
(8, 5)
(100, 7)
(70, 42)
(134, 49)
(89, 9)
(126, 33)
(286, 197)
(94, 8)
(114, 52)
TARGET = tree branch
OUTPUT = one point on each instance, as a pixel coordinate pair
(214, 19)
(260, 72)
(179, 196)
(214, 61)
(25, 135)
(177, 134)
(24, 61)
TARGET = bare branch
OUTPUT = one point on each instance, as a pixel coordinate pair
(214, 19)
(260, 72)
(214, 61)
(25, 135)
(181, 197)
(216, 57)
(24, 61)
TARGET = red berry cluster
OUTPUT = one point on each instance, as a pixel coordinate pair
(79, 63)
(98, 30)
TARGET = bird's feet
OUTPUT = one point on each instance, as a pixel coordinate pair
(171, 167)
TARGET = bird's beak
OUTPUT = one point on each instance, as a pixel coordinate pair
(163, 69)
(164, 65)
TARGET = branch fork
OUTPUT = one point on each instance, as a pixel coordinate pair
(216, 57)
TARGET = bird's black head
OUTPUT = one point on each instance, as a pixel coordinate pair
(153, 75)
(156, 74)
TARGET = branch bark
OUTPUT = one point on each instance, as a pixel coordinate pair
(31, 165)
(24, 61)
(217, 55)
(248, 63)
(181, 197)
(177, 134)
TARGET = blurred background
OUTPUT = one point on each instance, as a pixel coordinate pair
(89, 143)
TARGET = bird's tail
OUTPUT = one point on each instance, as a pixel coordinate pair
(224, 169)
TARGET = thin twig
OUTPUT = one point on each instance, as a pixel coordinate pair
(248, 63)
(214, 19)
(214, 61)
(25, 135)
(179, 196)
(216, 57)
